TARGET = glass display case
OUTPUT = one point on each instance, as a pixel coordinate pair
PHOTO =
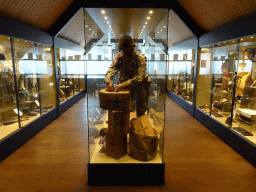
(225, 84)
(8, 104)
(71, 66)
(103, 116)
(181, 73)
(27, 83)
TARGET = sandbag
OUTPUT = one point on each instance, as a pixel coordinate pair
(143, 147)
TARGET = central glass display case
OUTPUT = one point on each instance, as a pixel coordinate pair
(110, 148)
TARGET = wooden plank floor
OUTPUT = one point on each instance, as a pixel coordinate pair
(55, 160)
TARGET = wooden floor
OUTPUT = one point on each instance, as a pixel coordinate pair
(55, 160)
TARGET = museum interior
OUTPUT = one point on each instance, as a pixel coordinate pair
(200, 66)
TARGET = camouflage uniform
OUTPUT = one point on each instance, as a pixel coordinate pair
(131, 77)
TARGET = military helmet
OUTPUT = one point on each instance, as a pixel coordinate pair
(125, 41)
(251, 51)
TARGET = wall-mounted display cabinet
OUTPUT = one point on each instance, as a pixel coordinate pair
(218, 71)
(27, 83)
(226, 84)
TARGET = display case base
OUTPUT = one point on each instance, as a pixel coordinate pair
(115, 174)
(181, 102)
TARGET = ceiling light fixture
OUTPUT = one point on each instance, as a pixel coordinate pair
(148, 18)
(105, 17)
(150, 12)
(103, 11)
(146, 23)
(251, 37)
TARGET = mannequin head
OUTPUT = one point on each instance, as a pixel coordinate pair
(249, 53)
(126, 44)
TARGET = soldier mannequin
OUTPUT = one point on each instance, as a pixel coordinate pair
(132, 76)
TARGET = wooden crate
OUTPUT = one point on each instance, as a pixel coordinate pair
(116, 145)
(118, 101)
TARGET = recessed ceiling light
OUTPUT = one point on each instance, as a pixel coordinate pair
(90, 29)
(103, 11)
(146, 23)
(251, 37)
(144, 26)
(107, 22)
(105, 17)
(86, 25)
(109, 26)
(242, 39)
(148, 18)
(150, 12)
(164, 26)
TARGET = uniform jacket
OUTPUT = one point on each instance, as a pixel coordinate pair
(130, 74)
(243, 84)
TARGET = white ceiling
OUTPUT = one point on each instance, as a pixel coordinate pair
(126, 21)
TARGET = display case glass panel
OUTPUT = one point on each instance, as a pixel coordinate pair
(47, 83)
(29, 71)
(215, 80)
(181, 73)
(110, 140)
(244, 100)
(8, 105)
(72, 73)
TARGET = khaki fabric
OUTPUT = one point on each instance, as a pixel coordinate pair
(243, 84)
(131, 77)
